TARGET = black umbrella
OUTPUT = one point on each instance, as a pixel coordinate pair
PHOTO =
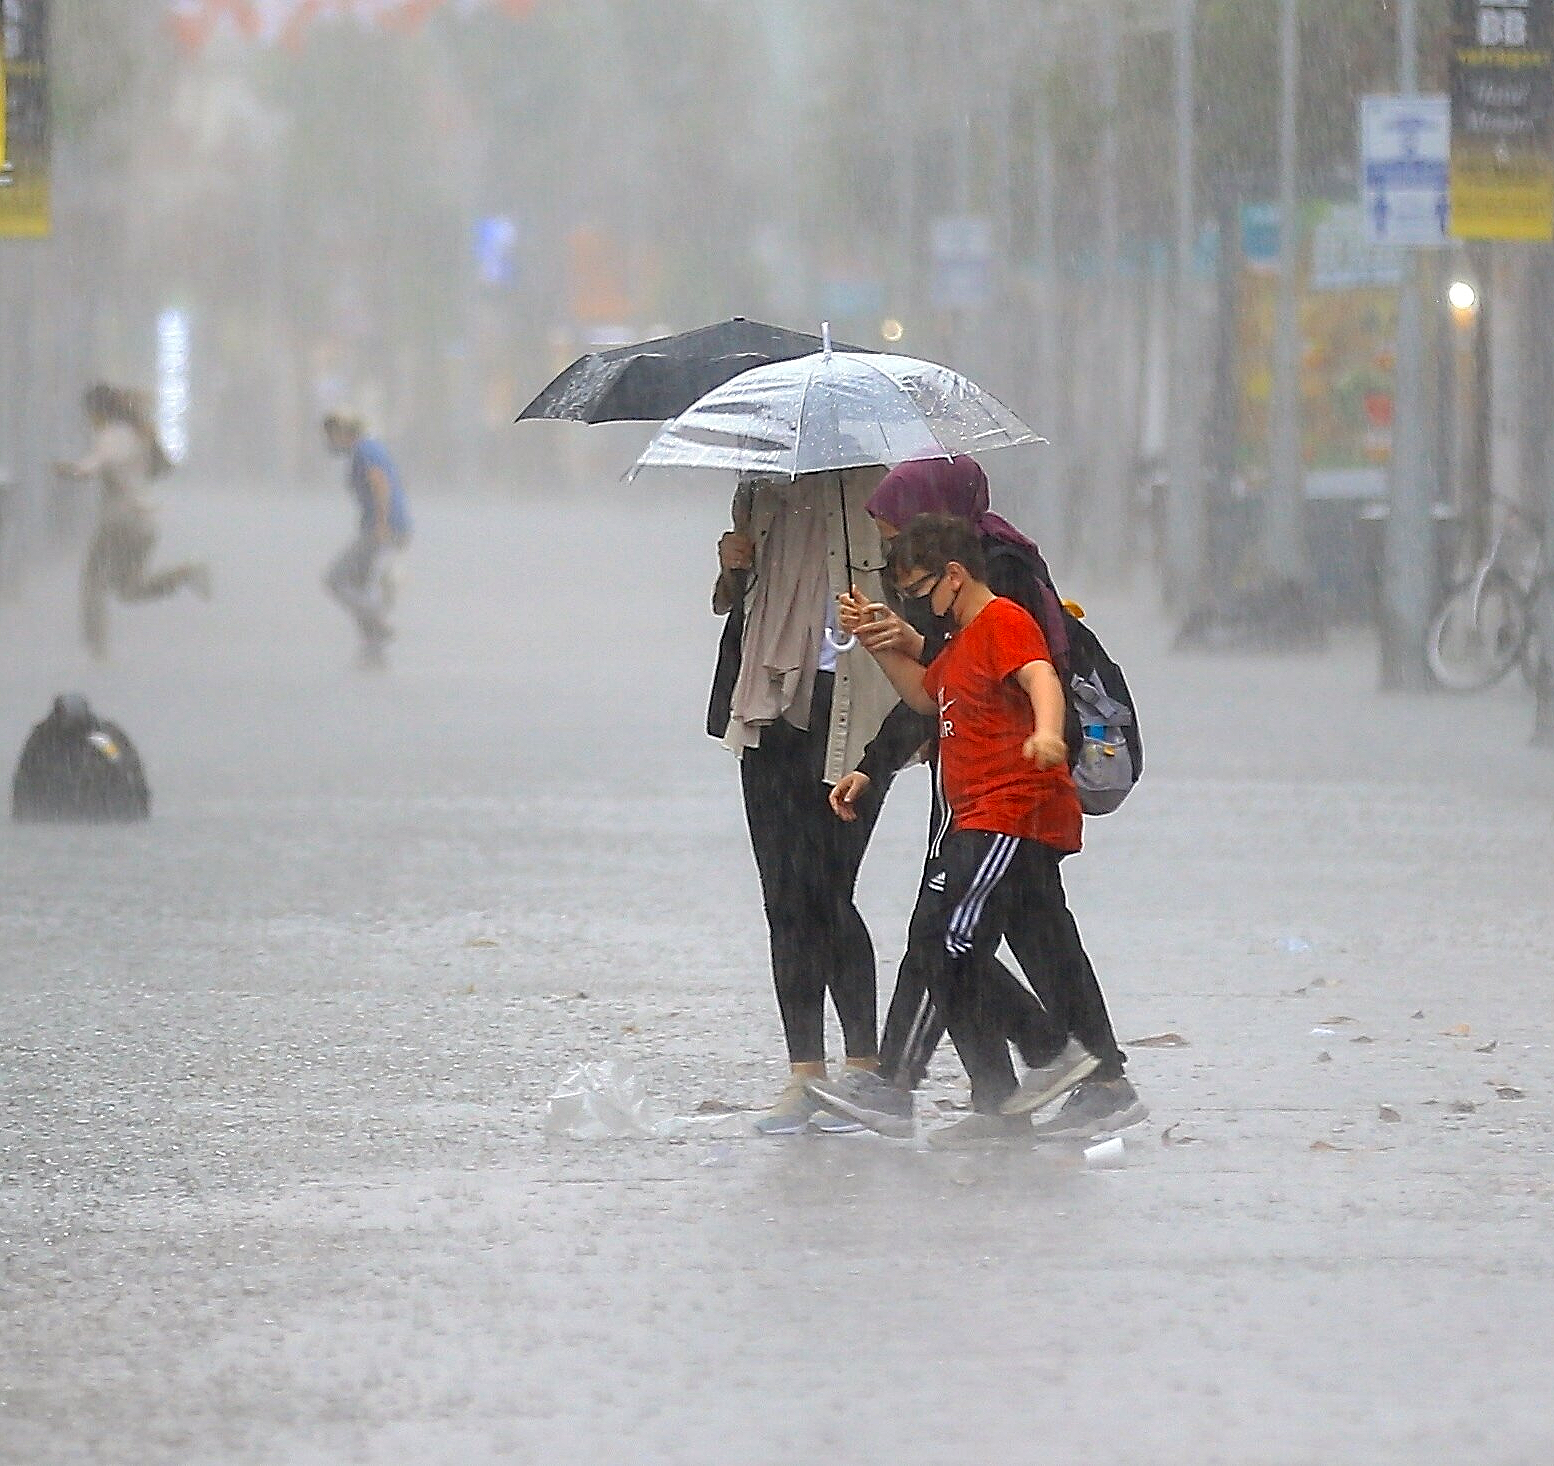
(655, 380)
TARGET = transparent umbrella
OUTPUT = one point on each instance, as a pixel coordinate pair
(834, 409)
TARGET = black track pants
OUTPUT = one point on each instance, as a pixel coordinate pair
(997, 886)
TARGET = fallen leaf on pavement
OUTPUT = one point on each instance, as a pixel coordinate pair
(1418, 1013)
(482, 942)
(1167, 1138)
(1457, 1030)
(1388, 1114)
(1340, 1018)
(1158, 1041)
(1463, 1107)
(1488, 1048)
(1328, 1145)
(718, 1107)
(1362, 1038)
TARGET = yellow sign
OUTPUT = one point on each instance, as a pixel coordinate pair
(1502, 119)
(1493, 199)
(24, 131)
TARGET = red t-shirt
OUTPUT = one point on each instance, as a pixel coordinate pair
(984, 719)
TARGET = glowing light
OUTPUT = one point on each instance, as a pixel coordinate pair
(1462, 296)
(892, 330)
(172, 383)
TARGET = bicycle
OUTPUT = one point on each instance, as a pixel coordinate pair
(1484, 625)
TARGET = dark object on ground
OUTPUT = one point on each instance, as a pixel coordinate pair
(652, 381)
(1279, 616)
(76, 767)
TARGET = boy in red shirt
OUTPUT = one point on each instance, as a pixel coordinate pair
(1004, 765)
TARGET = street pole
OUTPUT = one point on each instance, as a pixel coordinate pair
(1543, 611)
(1107, 542)
(1284, 536)
(1184, 561)
(1053, 515)
(1408, 571)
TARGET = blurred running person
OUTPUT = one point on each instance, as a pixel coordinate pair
(364, 575)
(125, 456)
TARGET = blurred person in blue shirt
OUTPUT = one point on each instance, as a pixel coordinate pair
(364, 575)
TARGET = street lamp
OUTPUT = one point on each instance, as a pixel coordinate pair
(1463, 299)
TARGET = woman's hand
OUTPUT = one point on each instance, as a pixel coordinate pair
(736, 551)
(1046, 750)
(853, 609)
(876, 625)
(846, 793)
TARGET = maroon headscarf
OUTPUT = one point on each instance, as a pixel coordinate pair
(958, 486)
(955, 486)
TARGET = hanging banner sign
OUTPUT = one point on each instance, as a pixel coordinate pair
(1502, 119)
(287, 22)
(1405, 146)
(24, 133)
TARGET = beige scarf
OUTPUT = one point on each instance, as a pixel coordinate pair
(785, 618)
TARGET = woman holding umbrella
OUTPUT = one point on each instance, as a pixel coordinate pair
(797, 703)
(798, 713)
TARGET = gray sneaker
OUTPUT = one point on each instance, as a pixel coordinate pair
(1097, 1107)
(978, 1128)
(1042, 1086)
(861, 1095)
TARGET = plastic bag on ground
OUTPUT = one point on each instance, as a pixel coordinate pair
(606, 1101)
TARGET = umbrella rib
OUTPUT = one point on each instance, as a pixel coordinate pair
(798, 427)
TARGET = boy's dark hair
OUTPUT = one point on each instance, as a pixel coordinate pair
(931, 541)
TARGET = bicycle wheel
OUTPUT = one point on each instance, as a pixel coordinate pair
(1467, 653)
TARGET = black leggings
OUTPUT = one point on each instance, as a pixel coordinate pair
(808, 862)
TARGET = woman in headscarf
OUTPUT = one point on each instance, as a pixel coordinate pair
(798, 714)
(1037, 1024)
(125, 456)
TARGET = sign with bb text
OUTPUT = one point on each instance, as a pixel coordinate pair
(24, 132)
(1502, 99)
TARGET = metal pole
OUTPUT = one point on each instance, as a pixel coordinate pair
(1184, 567)
(1284, 536)
(1107, 539)
(1052, 477)
(1543, 607)
(1408, 570)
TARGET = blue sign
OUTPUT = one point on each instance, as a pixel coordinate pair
(1405, 147)
(495, 245)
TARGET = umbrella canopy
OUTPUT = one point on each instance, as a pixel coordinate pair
(654, 380)
(835, 409)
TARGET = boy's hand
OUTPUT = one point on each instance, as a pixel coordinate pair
(1046, 750)
(846, 793)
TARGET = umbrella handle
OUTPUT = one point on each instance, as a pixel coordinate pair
(840, 644)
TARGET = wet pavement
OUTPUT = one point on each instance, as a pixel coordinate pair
(273, 1182)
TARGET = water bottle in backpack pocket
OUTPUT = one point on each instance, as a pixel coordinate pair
(1103, 771)
(1109, 751)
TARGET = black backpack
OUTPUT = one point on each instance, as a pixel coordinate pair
(76, 767)
(1102, 724)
